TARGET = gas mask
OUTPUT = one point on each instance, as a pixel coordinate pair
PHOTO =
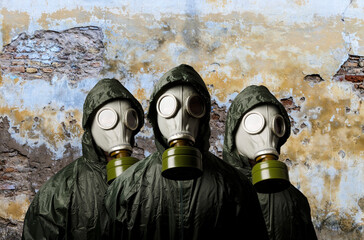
(257, 138)
(112, 130)
(179, 112)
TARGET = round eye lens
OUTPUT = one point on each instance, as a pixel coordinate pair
(253, 123)
(107, 118)
(167, 105)
(195, 106)
(279, 128)
(131, 119)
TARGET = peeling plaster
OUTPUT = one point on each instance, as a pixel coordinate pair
(232, 44)
(32, 97)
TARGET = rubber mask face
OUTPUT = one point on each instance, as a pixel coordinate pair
(259, 132)
(179, 111)
(113, 126)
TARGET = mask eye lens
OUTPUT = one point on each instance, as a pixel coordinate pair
(195, 106)
(167, 106)
(107, 118)
(253, 123)
(279, 128)
(131, 119)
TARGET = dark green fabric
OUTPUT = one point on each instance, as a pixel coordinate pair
(70, 204)
(221, 204)
(287, 213)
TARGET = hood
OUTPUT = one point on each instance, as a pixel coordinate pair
(186, 75)
(247, 99)
(104, 91)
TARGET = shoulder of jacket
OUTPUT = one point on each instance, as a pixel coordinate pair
(59, 186)
(63, 179)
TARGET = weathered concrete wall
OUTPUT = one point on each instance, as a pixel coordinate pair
(310, 54)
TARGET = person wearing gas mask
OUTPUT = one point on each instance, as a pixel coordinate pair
(257, 126)
(70, 204)
(182, 191)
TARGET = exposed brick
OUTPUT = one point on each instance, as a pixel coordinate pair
(31, 70)
(354, 78)
(354, 57)
(359, 86)
(57, 64)
(351, 64)
(76, 53)
(96, 64)
(17, 69)
(36, 76)
(5, 177)
(63, 57)
(17, 63)
(21, 57)
(45, 64)
(6, 56)
(215, 116)
(10, 48)
(354, 70)
(10, 169)
(287, 101)
(47, 70)
(342, 71)
(33, 63)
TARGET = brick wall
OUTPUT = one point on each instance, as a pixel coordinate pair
(313, 63)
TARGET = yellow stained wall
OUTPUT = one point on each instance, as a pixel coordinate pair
(231, 44)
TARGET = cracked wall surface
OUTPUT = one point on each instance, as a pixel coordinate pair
(310, 54)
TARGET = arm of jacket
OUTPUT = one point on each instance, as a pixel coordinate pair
(47, 215)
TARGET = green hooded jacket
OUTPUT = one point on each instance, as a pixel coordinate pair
(221, 204)
(70, 204)
(287, 213)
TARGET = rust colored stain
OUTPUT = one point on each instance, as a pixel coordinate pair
(347, 223)
(140, 94)
(217, 2)
(221, 84)
(301, 2)
(78, 14)
(13, 23)
(15, 210)
(354, 78)
(33, 125)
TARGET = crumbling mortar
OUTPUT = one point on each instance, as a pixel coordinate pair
(77, 53)
(352, 71)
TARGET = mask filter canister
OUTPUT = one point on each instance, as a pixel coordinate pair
(120, 162)
(181, 161)
(112, 130)
(257, 138)
(179, 111)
